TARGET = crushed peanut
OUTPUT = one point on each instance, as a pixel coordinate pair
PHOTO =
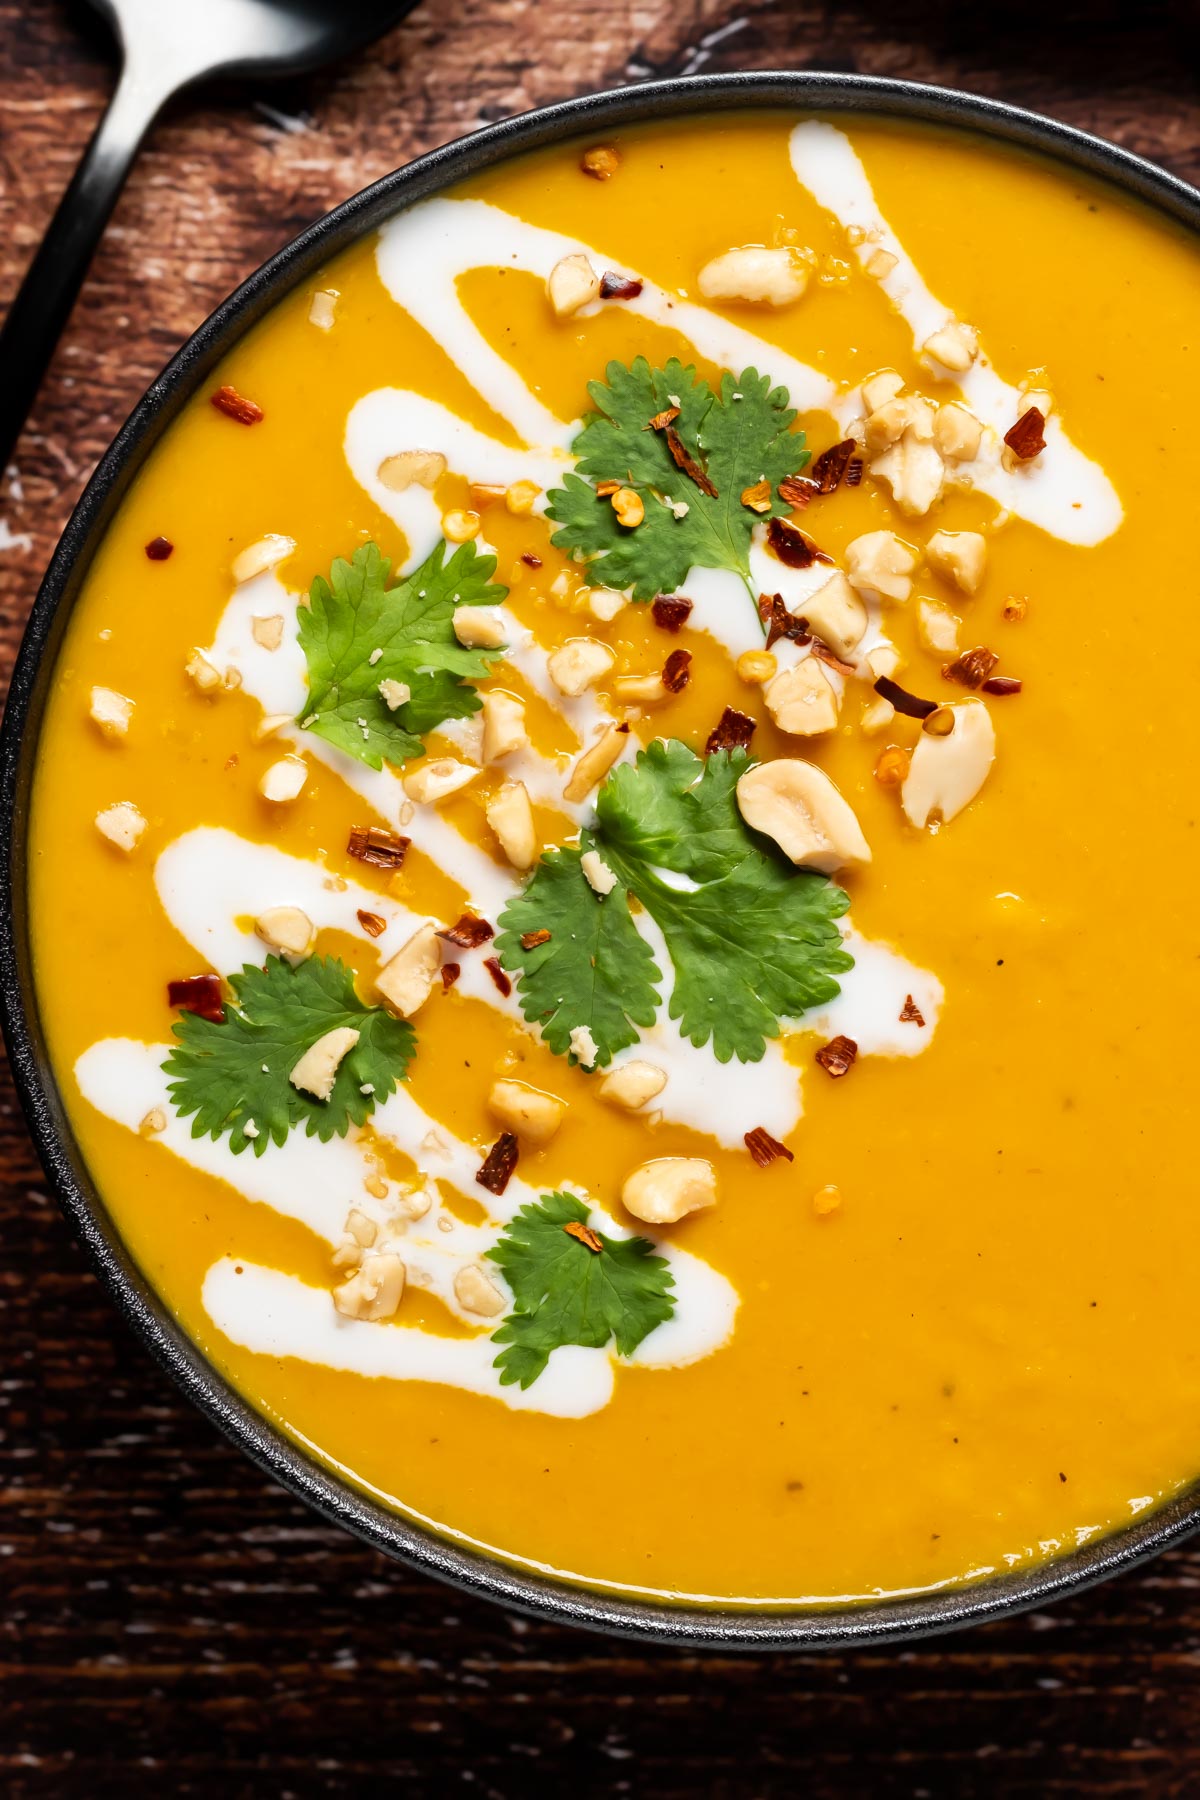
(510, 815)
(284, 780)
(532, 1114)
(257, 558)
(204, 676)
(961, 556)
(436, 777)
(756, 276)
(595, 762)
(477, 1293)
(571, 284)
(411, 468)
(321, 308)
(668, 1188)
(578, 664)
(316, 1071)
(946, 773)
(597, 873)
(957, 433)
(797, 805)
(605, 603)
(937, 627)
(476, 628)
(110, 711)
(503, 725)
(802, 700)
(632, 1084)
(374, 1291)
(406, 979)
(954, 347)
(880, 565)
(288, 930)
(267, 631)
(837, 615)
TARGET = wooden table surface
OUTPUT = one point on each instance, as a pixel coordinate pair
(172, 1622)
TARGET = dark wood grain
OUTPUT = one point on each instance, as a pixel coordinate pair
(172, 1623)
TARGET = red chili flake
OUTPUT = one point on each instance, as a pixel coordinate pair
(499, 1163)
(677, 671)
(583, 1234)
(492, 965)
(797, 490)
(683, 459)
(527, 556)
(837, 1056)
(910, 1012)
(780, 622)
(371, 923)
(661, 420)
(450, 973)
(822, 652)
(831, 465)
(159, 548)
(531, 939)
(764, 1148)
(619, 287)
(732, 731)
(854, 471)
(972, 668)
(792, 547)
(1027, 438)
(198, 994)
(911, 705)
(227, 400)
(670, 611)
(376, 845)
(1002, 685)
(468, 932)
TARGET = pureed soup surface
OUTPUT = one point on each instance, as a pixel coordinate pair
(937, 1317)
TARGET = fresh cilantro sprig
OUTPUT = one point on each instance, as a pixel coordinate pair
(567, 1292)
(595, 970)
(752, 939)
(235, 1074)
(738, 435)
(357, 632)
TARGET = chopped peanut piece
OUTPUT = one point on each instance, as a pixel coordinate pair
(510, 816)
(286, 929)
(959, 555)
(284, 780)
(605, 603)
(572, 283)
(411, 468)
(887, 424)
(755, 667)
(121, 824)
(583, 1046)
(879, 388)
(913, 470)
(597, 873)
(521, 497)
(394, 693)
(154, 1122)
(595, 762)
(877, 716)
(204, 675)
(374, 1291)
(947, 772)
(578, 665)
(798, 806)
(881, 564)
(406, 979)
(668, 1188)
(1035, 397)
(879, 265)
(459, 527)
(437, 776)
(321, 308)
(503, 725)
(957, 433)
(836, 614)
(938, 627)
(955, 347)
(267, 632)
(640, 690)
(884, 659)
(363, 1230)
(802, 700)
(529, 1112)
(632, 1084)
(478, 629)
(268, 725)
(600, 161)
(758, 276)
(476, 1292)
(317, 1069)
(257, 558)
(111, 711)
(629, 507)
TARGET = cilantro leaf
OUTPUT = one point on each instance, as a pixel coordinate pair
(566, 1293)
(595, 970)
(752, 939)
(236, 1073)
(355, 614)
(736, 442)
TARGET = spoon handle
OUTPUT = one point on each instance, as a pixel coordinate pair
(44, 300)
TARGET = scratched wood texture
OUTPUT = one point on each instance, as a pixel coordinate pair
(173, 1623)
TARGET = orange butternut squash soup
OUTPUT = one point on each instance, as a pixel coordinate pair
(611, 846)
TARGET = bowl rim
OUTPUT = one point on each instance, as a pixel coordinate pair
(830, 1625)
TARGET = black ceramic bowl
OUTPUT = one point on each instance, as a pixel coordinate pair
(731, 1628)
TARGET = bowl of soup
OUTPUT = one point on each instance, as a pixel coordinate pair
(595, 863)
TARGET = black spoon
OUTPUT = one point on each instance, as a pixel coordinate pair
(165, 45)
